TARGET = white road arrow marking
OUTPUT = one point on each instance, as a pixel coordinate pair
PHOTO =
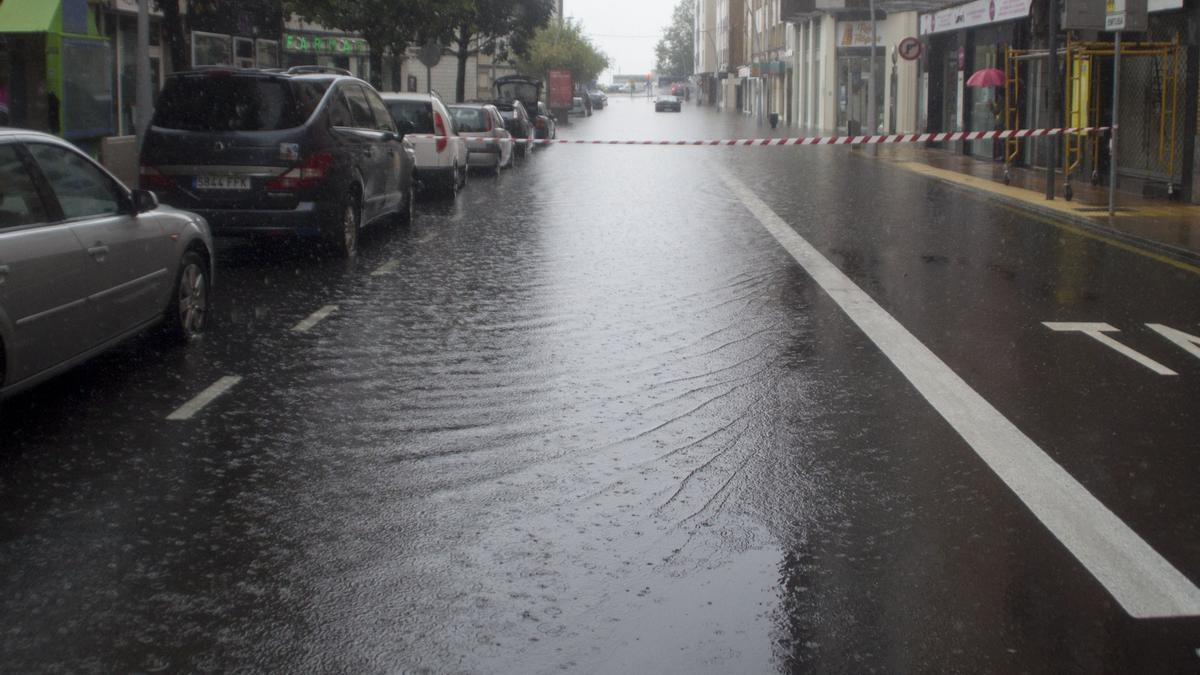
(1144, 583)
(1097, 331)
(1190, 343)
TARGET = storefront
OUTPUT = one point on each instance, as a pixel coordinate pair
(853, 77)
(119, 25)
(56, 69)
(327, 49)
(962, 40)
(242, 34)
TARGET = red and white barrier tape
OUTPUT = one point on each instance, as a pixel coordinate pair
(818, 140)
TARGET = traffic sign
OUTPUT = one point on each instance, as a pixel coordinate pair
(910, 49)
(430, 53)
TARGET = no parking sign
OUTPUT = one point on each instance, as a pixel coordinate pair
(909, 49)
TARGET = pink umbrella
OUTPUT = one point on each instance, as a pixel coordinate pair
(988, 77)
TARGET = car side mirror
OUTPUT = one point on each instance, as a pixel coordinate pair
(143, 201)
(406, 127)
(390, 136)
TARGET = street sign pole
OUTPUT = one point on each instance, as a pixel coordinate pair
(872, 122)
(1052, 104)
(1112, 137)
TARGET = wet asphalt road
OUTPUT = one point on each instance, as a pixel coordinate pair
(592, 417)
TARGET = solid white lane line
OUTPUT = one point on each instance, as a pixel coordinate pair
(1144, 583)
(386, 268)
(189, 409)
(1097, 331)
(314, 319)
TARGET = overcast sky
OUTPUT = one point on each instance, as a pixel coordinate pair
(626, 30)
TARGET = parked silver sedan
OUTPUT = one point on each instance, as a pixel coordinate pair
(86, 263)
(489, 144)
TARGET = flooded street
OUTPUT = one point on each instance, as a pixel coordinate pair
(594, 416)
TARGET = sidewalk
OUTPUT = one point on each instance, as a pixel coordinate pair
(1168, 228)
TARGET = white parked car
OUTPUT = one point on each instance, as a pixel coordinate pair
(489, 144)
(441, 154)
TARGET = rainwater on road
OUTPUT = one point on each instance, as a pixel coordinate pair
(597, 415)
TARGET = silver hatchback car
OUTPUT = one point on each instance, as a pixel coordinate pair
(85, 262)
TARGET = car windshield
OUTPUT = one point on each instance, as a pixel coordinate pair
(469, 119)
(230, 102)
(524, 92)
(417, 113)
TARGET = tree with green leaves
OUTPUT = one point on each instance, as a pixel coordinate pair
(676, 50)
(562, 45)
(501, 28)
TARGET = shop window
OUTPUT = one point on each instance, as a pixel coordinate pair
(87, 89)
(211, 49)
(268, 53)
(243, 52)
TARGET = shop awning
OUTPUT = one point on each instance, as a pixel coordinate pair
(27, 16)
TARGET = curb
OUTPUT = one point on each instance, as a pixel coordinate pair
(1179, 254)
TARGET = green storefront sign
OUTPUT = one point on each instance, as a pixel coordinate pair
(325, 45)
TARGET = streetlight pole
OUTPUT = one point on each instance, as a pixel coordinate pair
(872, 123)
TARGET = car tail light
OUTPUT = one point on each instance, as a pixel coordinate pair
(541, 123)
(487, 122)
(439, 128)
(151, 178)
(306, 174)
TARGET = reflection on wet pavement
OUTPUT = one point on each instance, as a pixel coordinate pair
(589, 417)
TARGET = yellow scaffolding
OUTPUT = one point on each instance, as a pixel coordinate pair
(1082, 100)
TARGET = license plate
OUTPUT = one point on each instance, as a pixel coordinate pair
(222, 182)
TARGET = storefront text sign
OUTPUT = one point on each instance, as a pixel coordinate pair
(316, 44)
(977, 13)
(983, 12)
(856, 34)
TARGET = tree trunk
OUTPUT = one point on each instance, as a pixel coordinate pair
(172, 23)
(464, 52)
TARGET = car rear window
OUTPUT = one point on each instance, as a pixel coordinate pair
(469, 119)
(417, 113)
(516, 91)
(233, 102)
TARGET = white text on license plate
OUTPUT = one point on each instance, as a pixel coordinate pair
(222, 182)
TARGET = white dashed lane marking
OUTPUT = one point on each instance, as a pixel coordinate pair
(386, 268)
(314, 319)
(1144, 583)
(189, 409)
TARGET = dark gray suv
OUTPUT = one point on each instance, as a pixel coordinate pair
(268, 153)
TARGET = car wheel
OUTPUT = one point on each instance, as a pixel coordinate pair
(345, 238)
(189, 301)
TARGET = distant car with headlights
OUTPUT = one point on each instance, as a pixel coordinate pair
(599, 99)
(577, 109)
(489, 144)
(86, 263)
(668, 104)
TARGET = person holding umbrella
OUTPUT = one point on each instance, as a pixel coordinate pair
(989, 78)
